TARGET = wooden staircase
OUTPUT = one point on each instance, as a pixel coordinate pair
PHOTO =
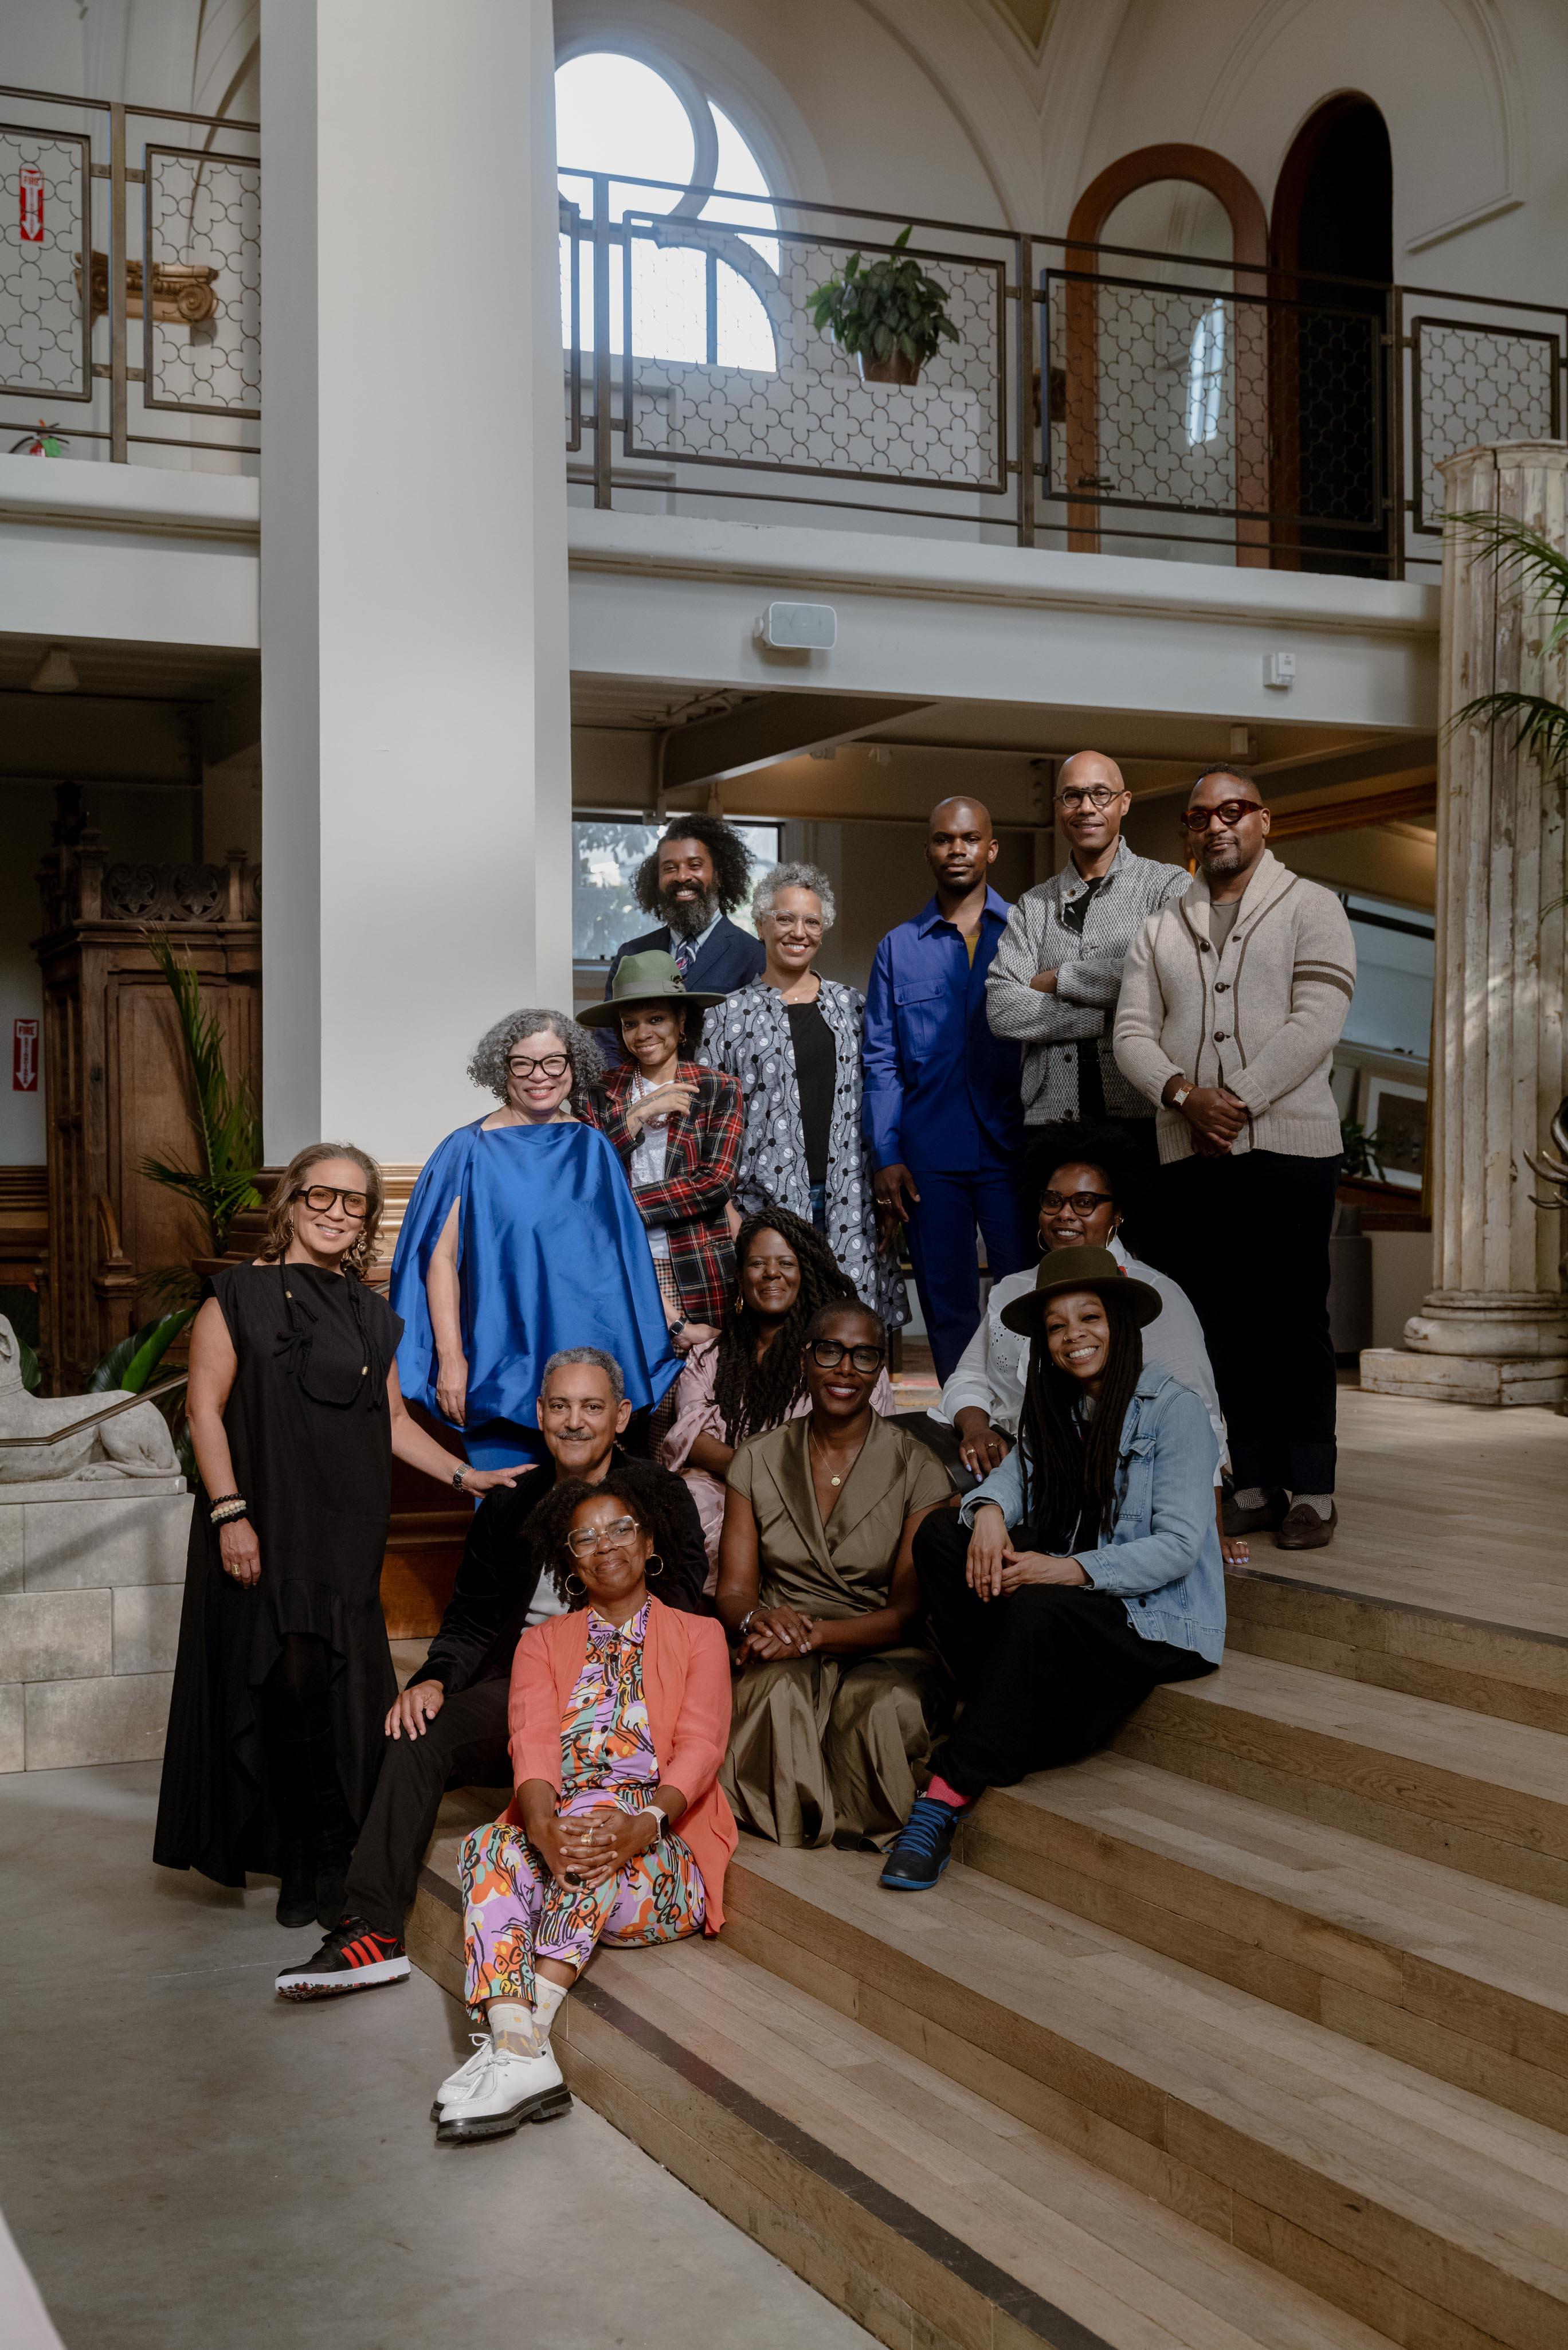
(1252, 2032)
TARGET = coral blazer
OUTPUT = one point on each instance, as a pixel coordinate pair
(686, 1684)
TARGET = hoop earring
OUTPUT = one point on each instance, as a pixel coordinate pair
(577, 1588)
(1040, 1244)
(653, 1565)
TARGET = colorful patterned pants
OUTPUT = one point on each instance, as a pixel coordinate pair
(515, 1912)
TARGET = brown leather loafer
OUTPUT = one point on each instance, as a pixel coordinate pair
(1266, 1521)
(1304, 1530)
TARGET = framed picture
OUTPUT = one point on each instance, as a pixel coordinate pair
(1395, 1113)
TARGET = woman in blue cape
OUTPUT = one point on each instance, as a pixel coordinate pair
(523, 1238)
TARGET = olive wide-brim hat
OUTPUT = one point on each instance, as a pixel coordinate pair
(651, 978)
(1079, 1268)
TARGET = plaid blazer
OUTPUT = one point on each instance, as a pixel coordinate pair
(701, 1153)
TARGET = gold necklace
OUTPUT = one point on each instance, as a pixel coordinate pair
(812, 1444)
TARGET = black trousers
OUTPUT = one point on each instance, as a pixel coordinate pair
(464, 1746)
(1250, 1236)
(938, 1438)
(1045, 1675)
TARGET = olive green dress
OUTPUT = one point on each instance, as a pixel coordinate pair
(825, 1747)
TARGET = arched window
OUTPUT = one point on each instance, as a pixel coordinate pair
(703, 267)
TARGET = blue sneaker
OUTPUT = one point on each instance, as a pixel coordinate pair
(922, 1847)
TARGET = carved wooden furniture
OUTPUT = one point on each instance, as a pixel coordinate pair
(115, 1076)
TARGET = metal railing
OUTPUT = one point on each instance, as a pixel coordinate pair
(1095, 396)
(129, 279)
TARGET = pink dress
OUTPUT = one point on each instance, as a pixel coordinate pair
(697, 1414)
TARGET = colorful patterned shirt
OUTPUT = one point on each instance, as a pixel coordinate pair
(605, 1737)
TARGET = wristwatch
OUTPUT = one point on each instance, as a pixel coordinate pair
(1180, 1096)
(457, 1477)
(678, 1325)
(662, 1816)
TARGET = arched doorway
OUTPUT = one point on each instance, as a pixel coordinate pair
(1332, 231)
(1197, 426)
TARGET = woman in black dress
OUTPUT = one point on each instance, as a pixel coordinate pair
(283, 1675)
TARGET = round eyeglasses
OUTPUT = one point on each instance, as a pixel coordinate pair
(553, 1065)
(584, 1541)
(1083, 1203)
(1230, 812)
(828, 1355)
(1098, 795)
(319, 1198)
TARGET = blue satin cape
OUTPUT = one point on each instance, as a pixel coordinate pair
(552, 1252)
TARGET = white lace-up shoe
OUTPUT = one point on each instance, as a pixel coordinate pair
(499, 2095)
(456, 2084)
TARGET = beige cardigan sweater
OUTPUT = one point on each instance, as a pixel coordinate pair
(1262, 1017)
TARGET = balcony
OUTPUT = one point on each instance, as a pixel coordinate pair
(1094, 398)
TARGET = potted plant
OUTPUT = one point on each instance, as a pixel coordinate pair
(889, 316)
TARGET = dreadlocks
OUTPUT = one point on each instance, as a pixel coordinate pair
(1070, 1467)
(659, 1503)
(754, 1396)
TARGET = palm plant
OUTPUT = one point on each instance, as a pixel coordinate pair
(227, 1126)
(1539, 724)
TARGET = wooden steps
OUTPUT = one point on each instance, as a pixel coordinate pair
(1425, 2211)
(1505, 1671)
(936, 2217)
(1484, 1796)
(1467, 1979)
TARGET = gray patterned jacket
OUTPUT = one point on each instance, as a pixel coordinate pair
(1081, 1017)
(748, 1036)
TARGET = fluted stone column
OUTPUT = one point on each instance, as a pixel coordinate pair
(1495, 1327)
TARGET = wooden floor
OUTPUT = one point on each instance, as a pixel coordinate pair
(1250, 2033)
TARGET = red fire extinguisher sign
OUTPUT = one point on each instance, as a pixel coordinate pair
(25, 1056)
(31, 192)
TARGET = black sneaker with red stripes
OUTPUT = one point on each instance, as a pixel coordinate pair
(354, 1957)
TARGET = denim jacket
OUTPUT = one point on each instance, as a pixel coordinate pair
(1162, 1560)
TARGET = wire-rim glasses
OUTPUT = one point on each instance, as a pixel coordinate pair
(619, 1534)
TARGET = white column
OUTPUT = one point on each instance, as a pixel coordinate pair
(415, 729)
(1495, 1328)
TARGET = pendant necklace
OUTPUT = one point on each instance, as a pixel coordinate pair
(823, 1457)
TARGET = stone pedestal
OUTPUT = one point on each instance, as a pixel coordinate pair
(1495, 1328)
(92, 1575)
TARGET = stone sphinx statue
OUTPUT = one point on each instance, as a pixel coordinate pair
(135, 1443)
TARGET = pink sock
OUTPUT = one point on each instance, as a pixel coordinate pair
(941, 1792)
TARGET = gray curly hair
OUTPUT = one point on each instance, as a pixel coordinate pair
(794, 876)
(488, 1066)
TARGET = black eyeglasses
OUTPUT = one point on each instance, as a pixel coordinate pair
(828, 1354)
(1083, 1203)
(1230, 812)
(1099, 796)
(320, 1197)
(553, 1064)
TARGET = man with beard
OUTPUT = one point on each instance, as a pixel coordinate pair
(449, 1728)
(1231, 1003)
(694, 879)
(939, 1106)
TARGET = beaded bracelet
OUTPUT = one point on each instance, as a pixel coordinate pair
(225, 1512)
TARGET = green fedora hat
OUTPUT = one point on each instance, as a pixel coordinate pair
(1079, 1268)
(651, 978)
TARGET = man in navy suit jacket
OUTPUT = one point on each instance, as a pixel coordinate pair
(695, 877)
